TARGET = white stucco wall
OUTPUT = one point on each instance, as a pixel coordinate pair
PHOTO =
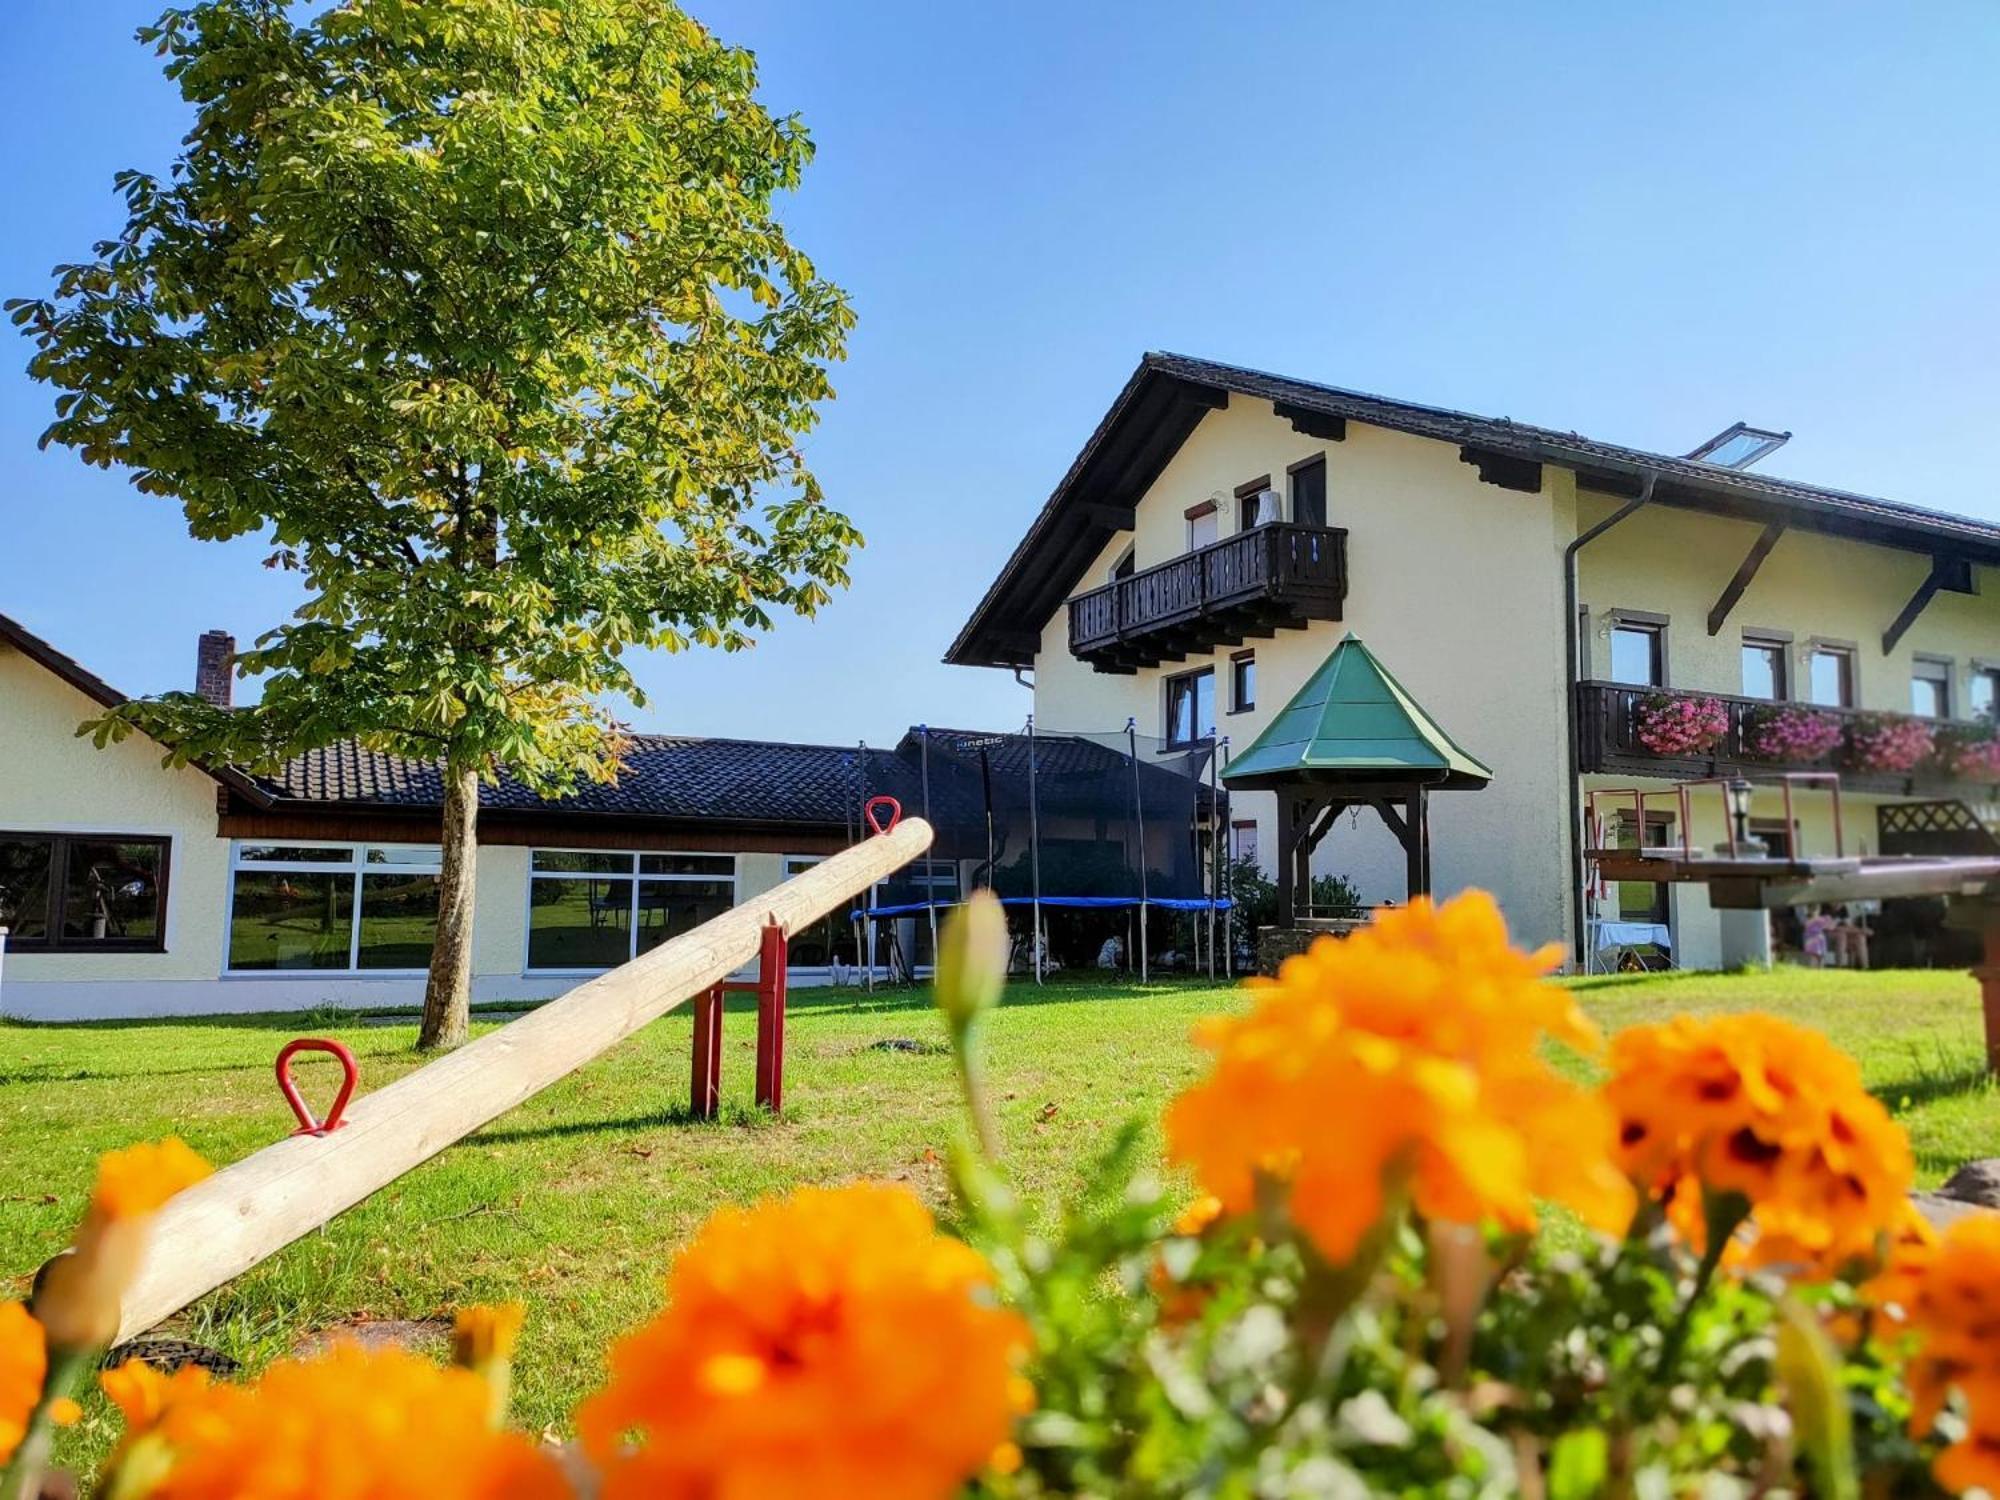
(1677, 562)
(1453, 583)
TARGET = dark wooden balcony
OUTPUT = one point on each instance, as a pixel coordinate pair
(1276, 577)
(1608, 741)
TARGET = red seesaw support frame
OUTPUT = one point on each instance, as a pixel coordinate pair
(769, 988)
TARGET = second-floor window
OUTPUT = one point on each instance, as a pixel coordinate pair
(1930, 688)
(1256, 504)
(1309, 492)
(1764, 674)
(1201, 524)
(1982, 692)
(1191, 707)
(1831, 676)
(1639, 653)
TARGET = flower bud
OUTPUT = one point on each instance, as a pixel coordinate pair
(972, 960)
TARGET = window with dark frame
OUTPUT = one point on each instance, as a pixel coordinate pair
(1643, 900)
(1982, 692)
(1309, 492)
(1243, 841)
(83, 892)
(1191, 707)
(1638, 653)
(1124, 567)
(1242, 681)
(1831, 676)
(1256, 503)
(1930, 688)
(1201, 525)
(1764, 668)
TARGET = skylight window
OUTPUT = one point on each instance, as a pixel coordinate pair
(1739, 446)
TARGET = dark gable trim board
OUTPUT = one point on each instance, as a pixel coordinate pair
(1948, 574)
(1167, 395)
(1752, 561)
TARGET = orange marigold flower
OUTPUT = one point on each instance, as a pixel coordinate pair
(1771, 1112)
(1409, 1054)
(829, 1342)
(1954, 1313)
(78, 1300)
(140, 1179)
(382, 1423)
(24, 1365)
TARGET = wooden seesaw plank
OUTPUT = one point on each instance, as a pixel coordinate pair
(249, 1210)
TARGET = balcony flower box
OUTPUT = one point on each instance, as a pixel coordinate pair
(1792, 736)
(1970, 752)
(1891, 743)
(1681, 726)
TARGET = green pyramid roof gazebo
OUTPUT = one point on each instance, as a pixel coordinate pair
(1353, 722)
(1352, 737)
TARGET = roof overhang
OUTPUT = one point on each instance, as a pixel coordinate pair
(1168, 395)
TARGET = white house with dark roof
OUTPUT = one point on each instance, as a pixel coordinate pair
(132, 889)
(1554, 600)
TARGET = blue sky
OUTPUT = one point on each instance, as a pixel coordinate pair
(1641, 222)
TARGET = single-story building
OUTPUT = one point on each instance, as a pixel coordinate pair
(129, 888)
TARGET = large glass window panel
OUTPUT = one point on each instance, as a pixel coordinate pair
(24, 887)
(398, 921)
(722, 866)
(1930, 689)
(1642, 900)
(417, 856)
(1983, 692)
(668, 908)
(294, 854)
(112, 892)
(584, 862)
(579, 924)
(1201, 529)
(289, 919)
(1190, 707)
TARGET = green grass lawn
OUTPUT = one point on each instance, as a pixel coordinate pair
(576, 1201)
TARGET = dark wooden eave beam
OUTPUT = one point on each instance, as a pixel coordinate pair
(1104, 513)
(1948, 575)
(1752, 561)
(1504, 469)
(1320, 424)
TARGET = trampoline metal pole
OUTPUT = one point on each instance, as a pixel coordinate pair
(1218, 829)
(1034, 853)
(1139, 818)
(930, 873)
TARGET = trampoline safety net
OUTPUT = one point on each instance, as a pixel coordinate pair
(1107, 845)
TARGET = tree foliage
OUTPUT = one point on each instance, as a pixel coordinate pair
(480, 310)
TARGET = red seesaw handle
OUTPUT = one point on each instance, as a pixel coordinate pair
(350, 1074)
(872, 809)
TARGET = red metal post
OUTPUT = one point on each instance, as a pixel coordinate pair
(771, 1020)
(706, 1094)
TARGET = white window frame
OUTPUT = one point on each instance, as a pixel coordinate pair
(356, 864)
(630, 876)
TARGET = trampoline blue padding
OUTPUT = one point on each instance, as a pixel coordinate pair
(1169, 903)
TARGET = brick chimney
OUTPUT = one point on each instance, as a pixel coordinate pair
(212, 676)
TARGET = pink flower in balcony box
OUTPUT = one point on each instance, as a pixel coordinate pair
(1970, 752)
(1682, 726)
(1891, 743)
(1794, 736)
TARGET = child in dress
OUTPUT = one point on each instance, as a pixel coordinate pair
(1818, 927)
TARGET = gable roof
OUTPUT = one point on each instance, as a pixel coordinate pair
(1352, 721)
(100, 692)
(1168, 394)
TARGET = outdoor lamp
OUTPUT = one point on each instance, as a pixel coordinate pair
(1738, 794)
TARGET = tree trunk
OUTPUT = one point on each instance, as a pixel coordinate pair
(448, 992)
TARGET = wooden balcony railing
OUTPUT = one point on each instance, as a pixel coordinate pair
(1274, 577)
(1608, 741)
